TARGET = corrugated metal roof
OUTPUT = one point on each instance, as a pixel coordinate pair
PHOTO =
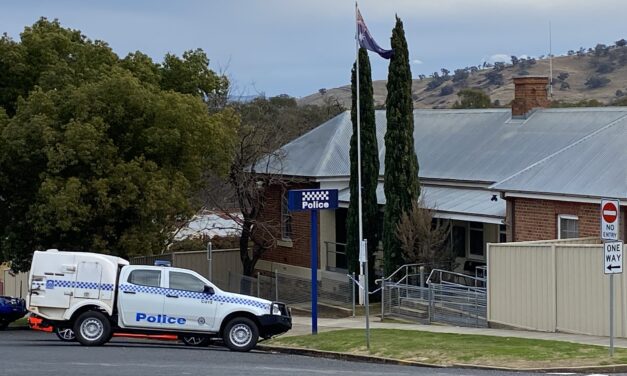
(594, 166)
(451, 200)
(484, 145)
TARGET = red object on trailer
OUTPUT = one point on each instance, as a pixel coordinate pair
(35, 323)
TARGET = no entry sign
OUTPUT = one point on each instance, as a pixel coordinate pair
(610, 222)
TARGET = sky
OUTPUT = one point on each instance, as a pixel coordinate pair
(296, 47)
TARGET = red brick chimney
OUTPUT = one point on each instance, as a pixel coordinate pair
(529, 92)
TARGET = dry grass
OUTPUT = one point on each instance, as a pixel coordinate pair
(450, 349)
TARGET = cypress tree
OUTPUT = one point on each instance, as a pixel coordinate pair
(369, 169)
(401, 184)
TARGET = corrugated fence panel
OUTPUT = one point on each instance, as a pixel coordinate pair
(521, 286)
(223, 262)
(15, 285)
(583, 292)
(196, 261)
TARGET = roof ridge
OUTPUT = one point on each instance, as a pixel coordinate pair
(583, 139)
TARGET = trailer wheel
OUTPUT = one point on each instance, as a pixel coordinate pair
(196, 341)
(65, 334)
(240, 334)
(92, 328)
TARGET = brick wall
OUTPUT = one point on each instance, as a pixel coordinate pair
(537, 219)
(296, 252)
(529, 93)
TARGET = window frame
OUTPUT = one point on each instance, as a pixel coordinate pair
(169, 286)
(472, 255)
(128, 279)
(566, 217)
(287, 220)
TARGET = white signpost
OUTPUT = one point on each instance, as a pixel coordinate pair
(612, 251)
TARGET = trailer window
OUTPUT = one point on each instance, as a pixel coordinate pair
(145, 278)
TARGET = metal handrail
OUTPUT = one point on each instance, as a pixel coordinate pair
(440, 271)
(406, 266)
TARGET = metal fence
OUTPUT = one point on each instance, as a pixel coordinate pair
(294, 290)
(445, 297)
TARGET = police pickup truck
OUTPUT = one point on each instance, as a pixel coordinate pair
(97, 295)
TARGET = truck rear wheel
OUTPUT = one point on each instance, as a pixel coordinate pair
(65, 334)
(196, 341)
(240, 334)
(92, 328)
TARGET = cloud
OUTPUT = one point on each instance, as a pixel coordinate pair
(497, 58)
(416, 61)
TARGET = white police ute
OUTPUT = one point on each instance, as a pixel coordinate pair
(97, 295)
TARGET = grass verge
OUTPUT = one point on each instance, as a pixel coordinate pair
(23, 322)
(450, 349)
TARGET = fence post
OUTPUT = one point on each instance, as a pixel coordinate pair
(258, 282)
(382, 298)
(430, 303)
(406, 281)
(422, 281)
(353, 294)
(276, 285)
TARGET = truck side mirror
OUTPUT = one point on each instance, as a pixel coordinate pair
(209, 290)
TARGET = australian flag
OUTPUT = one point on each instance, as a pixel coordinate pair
(367, 41)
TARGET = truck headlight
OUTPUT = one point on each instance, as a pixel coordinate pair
(276, 310)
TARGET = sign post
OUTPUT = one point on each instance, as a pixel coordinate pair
(612, 251)
(313, 200)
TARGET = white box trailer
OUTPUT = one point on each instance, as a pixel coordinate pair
(96, 294)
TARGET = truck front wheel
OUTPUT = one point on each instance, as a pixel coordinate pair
(240, 334)
(92, 328)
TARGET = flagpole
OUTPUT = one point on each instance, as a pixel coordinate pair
(359, 210)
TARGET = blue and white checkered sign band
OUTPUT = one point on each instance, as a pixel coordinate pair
(316, 196)
(53, 283)
(194, 295)
(312, 199)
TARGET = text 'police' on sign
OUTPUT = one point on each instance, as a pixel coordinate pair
(312, 199)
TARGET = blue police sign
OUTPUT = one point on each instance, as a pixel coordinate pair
(312, 199)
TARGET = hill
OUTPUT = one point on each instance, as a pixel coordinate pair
(578, 76)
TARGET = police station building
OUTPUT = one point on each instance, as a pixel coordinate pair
(519, 174)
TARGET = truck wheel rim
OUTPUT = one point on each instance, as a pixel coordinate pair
(67, 334)
(241, 335)
(92, 329)
(193, 340)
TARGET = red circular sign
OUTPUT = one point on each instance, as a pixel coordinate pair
(609, 212)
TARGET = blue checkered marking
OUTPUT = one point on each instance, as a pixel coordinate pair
(52, 283)
(194, 295)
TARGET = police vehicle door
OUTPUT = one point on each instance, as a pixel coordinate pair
(189, 303)
(141, 299)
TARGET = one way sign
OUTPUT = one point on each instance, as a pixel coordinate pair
(613, 257)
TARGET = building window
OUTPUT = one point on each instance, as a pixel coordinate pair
(502, 234)
(459, 241)
(286, 218)
(476, 239)
(567, 226)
